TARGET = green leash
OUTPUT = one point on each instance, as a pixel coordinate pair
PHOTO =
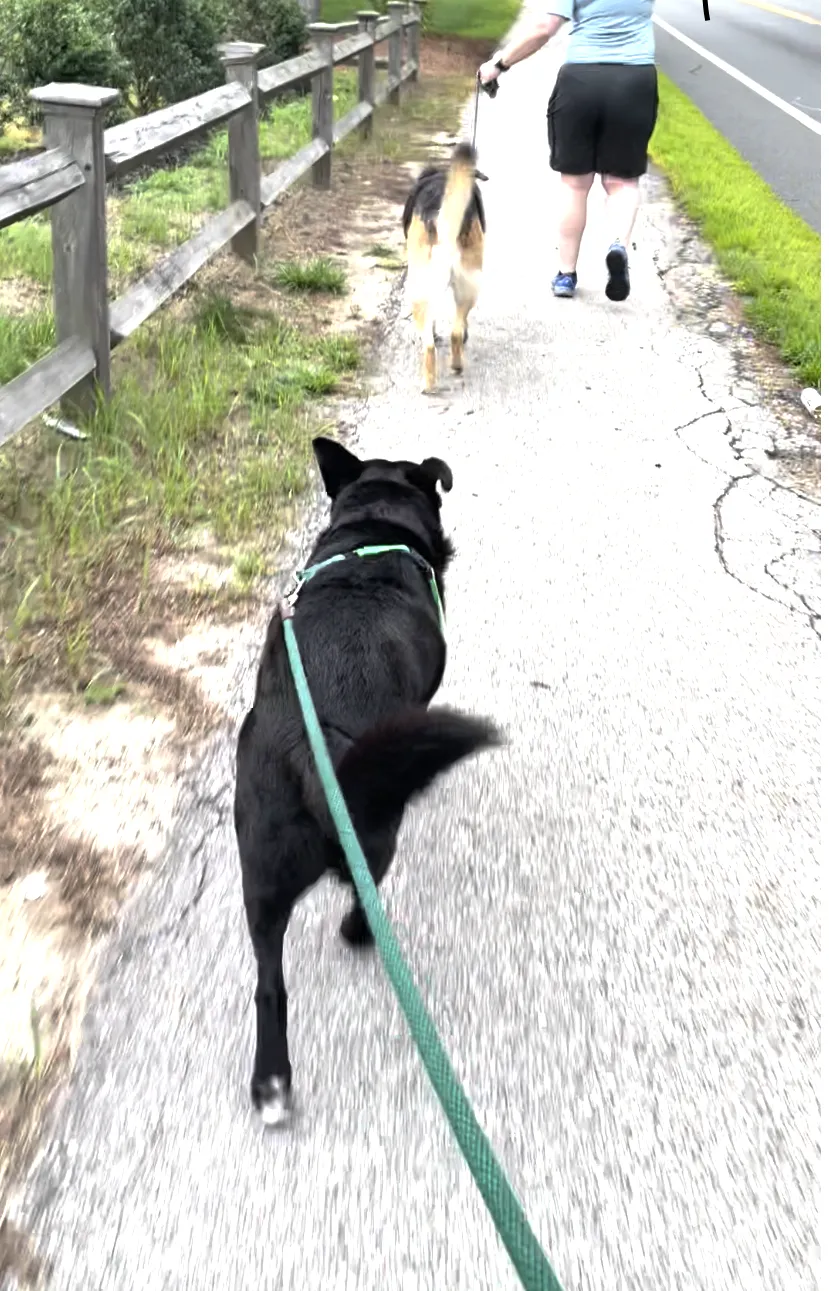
(531, 1264)
(303, 576)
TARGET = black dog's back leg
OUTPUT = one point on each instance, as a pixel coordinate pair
(276, 870)
(379, 852)
(270, 1086)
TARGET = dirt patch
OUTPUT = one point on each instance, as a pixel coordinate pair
(87, 788)
(19, 296)
(448, 56)
(17, 1256)
(356, 224)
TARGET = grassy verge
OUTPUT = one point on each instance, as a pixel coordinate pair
(205, 443)
(770, 255)
(487, 20)
(208, 429)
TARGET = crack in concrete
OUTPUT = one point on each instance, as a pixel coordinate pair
(733, 439)
(149, 1145)
(201, 883)
(185, 908)
(813, 614)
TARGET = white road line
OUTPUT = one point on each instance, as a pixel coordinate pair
(738, 76)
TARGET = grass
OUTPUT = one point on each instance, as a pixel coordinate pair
(164, 209)
(209, 428)
(103, 690)
(24, 339)
(16, 138)
(488, 20)
(770, 255)
(319, 275)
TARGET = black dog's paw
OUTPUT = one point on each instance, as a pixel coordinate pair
(355, 930)
(272, 1099)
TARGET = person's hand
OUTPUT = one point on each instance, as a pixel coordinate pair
(488, 72)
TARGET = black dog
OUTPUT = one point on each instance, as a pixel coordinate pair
(370, 639)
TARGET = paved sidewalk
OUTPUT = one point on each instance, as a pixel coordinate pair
(615, 919)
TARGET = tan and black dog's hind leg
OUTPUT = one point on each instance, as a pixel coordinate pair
(466, 281)
(421, 292)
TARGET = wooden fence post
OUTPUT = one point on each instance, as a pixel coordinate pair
(416, 30)
(322, 101)
(396, 10)
(368, 19)
(408, 38)
(240, 58)
(73, 119)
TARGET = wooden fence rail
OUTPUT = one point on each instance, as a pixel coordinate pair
(70, 179)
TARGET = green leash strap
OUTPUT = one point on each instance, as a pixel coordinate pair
(302, 576)
(532, 1265)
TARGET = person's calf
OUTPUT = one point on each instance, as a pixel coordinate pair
(621, 208)
(572, 219)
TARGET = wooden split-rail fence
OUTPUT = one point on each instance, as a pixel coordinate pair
(70, 179)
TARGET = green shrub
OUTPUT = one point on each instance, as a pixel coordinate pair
(171, 48)
(56, 40)
(9, 73)
(279, 25)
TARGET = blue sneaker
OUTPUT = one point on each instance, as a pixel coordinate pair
(618, 278)
(564, 284)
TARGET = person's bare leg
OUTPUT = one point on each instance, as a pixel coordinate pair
(622, 206)
(572, 219)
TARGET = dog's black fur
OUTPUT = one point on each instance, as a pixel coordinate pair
(426, 195)
(370, 641)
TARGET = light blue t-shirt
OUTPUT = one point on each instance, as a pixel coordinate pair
(608, 31)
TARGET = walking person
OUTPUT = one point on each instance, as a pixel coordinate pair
(600, 119)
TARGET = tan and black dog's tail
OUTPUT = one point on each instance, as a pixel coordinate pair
(460, 185)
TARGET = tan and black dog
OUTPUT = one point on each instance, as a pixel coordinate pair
(444, 225)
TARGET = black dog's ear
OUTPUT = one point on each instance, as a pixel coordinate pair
(437, 472)
(338, 467)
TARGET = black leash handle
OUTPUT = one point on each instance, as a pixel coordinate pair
(490, 89)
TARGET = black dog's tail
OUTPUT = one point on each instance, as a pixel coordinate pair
(399, 759)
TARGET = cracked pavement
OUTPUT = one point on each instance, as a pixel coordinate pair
(615, 920)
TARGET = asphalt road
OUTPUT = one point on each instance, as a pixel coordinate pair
(615, 920)
(777, 46)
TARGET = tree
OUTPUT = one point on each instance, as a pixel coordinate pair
(171, 48)
(279, 25)
(58, 40)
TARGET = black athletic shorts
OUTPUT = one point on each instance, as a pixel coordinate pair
(600, 118)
